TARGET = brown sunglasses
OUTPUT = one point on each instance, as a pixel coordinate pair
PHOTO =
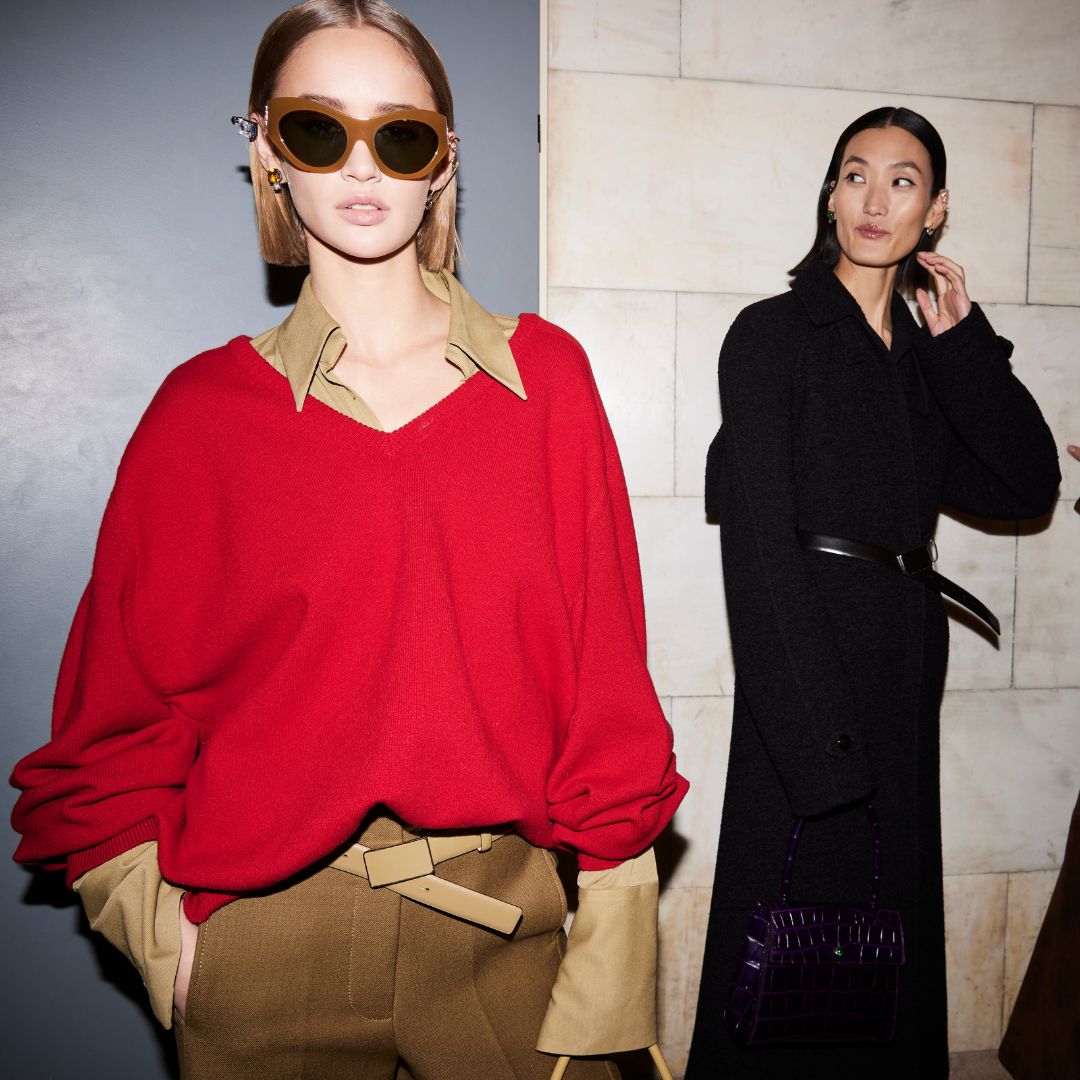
(406, 144)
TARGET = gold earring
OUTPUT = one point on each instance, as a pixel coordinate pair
(276, 180)
(930, 230)
(433, 196)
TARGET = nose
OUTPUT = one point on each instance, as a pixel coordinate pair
(874, 204)
(361, 165)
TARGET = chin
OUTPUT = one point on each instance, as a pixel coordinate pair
(874, 259)
(361, 244)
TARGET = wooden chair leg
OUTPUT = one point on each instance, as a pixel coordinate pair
(560, 1068)
(654, 1052)
(659, 1062)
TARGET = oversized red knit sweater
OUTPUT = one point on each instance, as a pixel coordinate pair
(293, 618)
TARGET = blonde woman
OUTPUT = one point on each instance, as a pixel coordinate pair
(364, 640)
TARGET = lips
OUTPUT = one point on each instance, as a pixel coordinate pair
(871, 232)
(363, 210)
(362, 202)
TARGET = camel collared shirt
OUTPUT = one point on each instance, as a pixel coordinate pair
(306, 347)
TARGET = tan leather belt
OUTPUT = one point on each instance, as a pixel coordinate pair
(407, 870)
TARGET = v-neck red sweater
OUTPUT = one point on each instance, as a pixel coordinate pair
(293, 618)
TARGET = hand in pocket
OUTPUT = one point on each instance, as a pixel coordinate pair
(189, 933)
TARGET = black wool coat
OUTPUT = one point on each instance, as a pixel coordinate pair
(840, 663)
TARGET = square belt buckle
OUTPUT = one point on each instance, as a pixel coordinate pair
(403, 862)
(918, 560)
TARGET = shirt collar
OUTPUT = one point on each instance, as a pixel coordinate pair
(310, 336)
(476, 332)
(827, 301)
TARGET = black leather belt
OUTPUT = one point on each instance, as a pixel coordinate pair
(917, 563)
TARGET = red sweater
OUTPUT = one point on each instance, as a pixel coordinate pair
(293, 618)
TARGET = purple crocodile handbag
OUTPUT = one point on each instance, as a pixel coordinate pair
(818, 972)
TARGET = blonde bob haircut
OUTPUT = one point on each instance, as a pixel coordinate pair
(281, 235)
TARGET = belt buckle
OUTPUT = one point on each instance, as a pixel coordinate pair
(918, 560)
(402, 862)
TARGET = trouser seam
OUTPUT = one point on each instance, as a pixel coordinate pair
(357, 899)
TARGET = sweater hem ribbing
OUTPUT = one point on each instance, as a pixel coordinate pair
(82, 862)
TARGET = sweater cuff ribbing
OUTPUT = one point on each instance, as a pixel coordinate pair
(590, 862)
(81, 862)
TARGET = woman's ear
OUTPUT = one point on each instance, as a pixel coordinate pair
(939, 208)
(447, 167)
(267, 156)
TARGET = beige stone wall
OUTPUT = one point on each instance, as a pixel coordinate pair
(684, 144)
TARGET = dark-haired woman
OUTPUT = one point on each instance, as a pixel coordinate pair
(845, 427)
(364, 639)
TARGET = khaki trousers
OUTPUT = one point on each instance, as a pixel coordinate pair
(330, 979)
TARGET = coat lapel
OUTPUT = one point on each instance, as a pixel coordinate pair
(828, 303)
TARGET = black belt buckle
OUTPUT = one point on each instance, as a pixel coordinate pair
(918, 560)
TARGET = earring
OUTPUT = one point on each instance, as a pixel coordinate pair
(830, 217)
(930, 231)
(248, 128)
(433, 196)
(276, 180)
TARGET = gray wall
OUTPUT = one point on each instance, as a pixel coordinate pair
(128, 242)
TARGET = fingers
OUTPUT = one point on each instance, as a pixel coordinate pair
(944, 273)
(1074, 451)
(949, 283)
(942, 285)
(922, 297)
(945, 269)
(943, 264)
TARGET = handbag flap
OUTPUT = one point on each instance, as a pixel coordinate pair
(833, 934)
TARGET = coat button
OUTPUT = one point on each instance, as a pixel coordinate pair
(842, 742)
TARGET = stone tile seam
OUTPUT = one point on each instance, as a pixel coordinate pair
(964, 690)
(675, 389)
(992, 873)
(1031, 205)
(758, 295)
(960, 690)
(1022, 689)
(682, 40)
(812, 86)
(1003, 1019)
(1016, 586)
(1015, 690)
(697, 697)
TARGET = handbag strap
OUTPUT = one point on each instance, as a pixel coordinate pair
(875, 840)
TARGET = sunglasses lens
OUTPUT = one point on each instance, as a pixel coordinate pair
(315, 138)
(407, 146)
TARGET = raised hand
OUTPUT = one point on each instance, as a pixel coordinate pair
(953, 302)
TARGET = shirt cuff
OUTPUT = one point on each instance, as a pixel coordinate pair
(134, 908)
(604, 997)
(638, 871)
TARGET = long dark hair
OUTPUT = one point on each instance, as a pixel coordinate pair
(909, 275)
